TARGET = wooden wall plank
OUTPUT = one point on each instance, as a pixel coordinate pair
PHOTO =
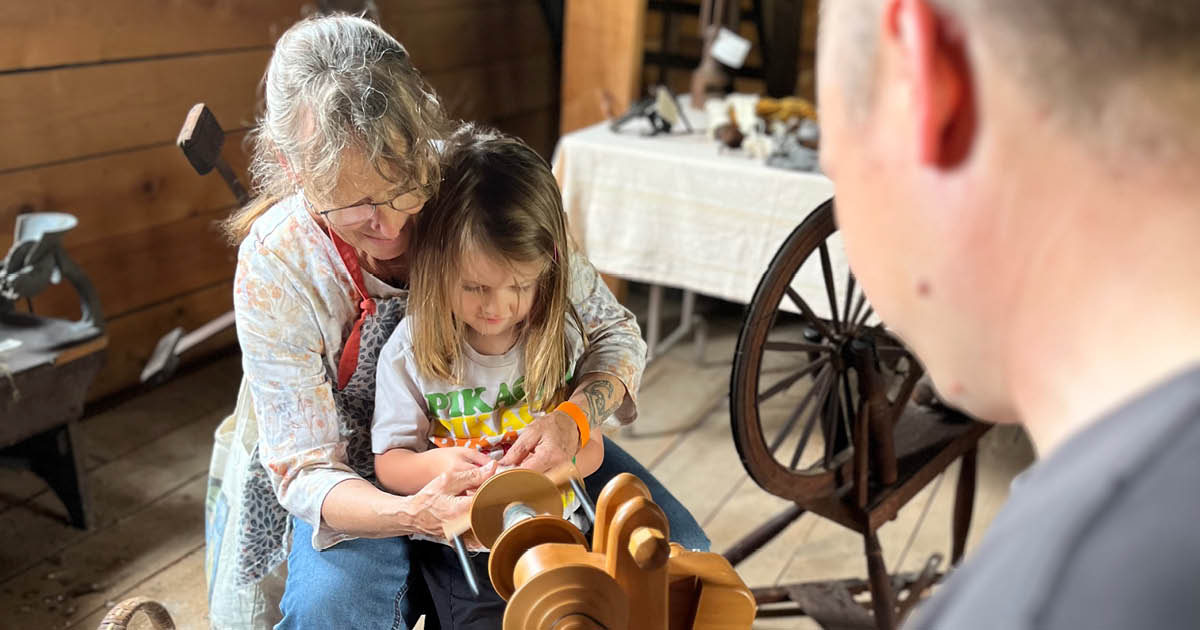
(135, 269)
(537, 128)
(69, 113)
(461, 34)
(62, 32)
(89, 128)
(498, 89)
(119, 193)
(149, 99)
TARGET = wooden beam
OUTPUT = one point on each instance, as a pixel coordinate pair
(602, 54)
(70, 113)
(69, 32)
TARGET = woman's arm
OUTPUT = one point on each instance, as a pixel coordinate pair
(599, 395)
(283, 361)
(611, 368)
(589, 458)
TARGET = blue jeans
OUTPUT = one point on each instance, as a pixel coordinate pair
(361, 583)
(369, 583)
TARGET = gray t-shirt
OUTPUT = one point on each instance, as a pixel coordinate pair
(1103, 534)
(416, 412)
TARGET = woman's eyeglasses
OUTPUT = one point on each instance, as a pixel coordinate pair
(408, 202)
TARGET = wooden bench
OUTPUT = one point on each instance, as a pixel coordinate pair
(43, 382)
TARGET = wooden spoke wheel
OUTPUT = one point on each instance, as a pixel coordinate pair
(815, 372)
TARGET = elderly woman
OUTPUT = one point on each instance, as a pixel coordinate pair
(345, 154)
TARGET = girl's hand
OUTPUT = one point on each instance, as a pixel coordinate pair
(548, 442)
(454, 459)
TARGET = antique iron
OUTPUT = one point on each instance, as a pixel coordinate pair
(37, 260)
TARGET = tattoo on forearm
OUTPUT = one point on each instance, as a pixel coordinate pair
(600, 396)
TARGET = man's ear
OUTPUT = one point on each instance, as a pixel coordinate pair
(936, 65)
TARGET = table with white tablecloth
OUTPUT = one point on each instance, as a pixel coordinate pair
(678, 210)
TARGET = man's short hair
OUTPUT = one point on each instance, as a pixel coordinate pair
(1093, 62)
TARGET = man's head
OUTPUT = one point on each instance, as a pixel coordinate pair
(967, 139)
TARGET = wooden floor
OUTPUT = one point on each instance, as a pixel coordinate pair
(147, 460)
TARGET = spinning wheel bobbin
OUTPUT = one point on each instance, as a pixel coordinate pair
(525, 487)
(502, 503)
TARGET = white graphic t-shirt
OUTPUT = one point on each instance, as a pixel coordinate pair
(417, 413)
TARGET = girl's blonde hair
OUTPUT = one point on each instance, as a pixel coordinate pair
(338, 83)
(498, 198)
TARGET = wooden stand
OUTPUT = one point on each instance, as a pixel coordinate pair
(41, 400)
(631, 579)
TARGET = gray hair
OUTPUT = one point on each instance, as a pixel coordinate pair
(338, 83)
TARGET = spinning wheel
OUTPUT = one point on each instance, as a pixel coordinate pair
(821, 415)
(845, 356)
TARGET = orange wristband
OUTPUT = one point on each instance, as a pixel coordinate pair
(573, 410)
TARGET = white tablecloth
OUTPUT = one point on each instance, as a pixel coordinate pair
(674, 210)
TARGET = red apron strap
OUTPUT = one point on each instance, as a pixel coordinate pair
(349, 359)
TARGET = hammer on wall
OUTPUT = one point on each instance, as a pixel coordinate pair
(201, 139)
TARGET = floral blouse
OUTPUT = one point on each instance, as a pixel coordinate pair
(295, 304)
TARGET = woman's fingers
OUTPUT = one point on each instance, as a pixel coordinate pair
(455, 483)
(521, 448)
(544, 459)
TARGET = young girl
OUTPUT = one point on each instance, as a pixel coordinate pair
(488, 345)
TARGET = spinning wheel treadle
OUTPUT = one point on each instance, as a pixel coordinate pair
(821, 415)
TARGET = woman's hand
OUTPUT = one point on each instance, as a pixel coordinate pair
(548, 442)
(553, 439)
(444, 499)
